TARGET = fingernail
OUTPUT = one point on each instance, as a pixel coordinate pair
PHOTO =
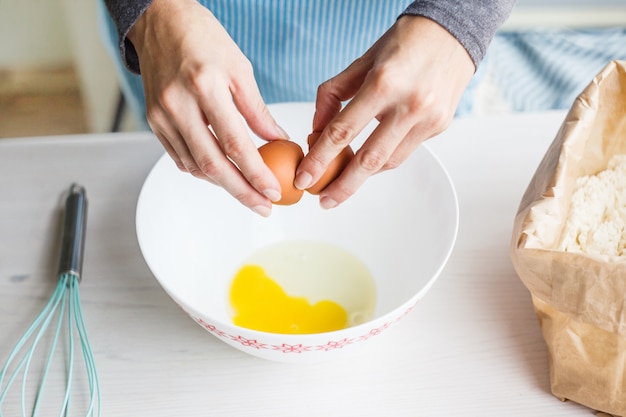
(262, 210)
(273, 195)
(327, 203)
(281, 132)
(302, 180)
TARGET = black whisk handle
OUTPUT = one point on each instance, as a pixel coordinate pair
(74, 226)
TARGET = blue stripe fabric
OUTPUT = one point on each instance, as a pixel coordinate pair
(293, 45)
(544, 69)
(296, 45)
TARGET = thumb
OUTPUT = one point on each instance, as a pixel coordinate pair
(247, 98)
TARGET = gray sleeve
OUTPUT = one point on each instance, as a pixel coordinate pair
(124, 14)
(472, 22)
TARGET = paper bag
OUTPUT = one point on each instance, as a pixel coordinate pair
(580, 299)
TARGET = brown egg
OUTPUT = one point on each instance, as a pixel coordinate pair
(335, 168)
(283, 157)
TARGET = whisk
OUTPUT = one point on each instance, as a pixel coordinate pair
(63, 315)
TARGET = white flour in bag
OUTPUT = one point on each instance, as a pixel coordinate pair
(597, 219)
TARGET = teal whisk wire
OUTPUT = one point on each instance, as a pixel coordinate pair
(61, 313)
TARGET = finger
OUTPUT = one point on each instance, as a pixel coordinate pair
(332, 93)
(171, 139)
(221, 171)
(416, 136)
(177, 138)
(178, 161)
(327, 104)
(247, 97)
(375, 154)
(337, 135)
(209, 161)
(235, 142)
(170, 149)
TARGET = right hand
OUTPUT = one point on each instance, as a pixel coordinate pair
(198, 85)
(410, 81)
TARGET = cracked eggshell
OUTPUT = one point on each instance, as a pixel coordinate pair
(282, 157)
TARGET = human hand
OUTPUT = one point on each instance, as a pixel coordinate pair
(195, 76)
(410, 80)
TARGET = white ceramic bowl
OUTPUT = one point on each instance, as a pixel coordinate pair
(402, 224)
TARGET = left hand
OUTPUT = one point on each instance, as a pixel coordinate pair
(410, 80)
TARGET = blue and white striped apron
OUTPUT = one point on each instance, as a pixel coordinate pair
(293, 45)
(542, 69)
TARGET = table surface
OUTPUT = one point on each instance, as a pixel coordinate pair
(471, 347)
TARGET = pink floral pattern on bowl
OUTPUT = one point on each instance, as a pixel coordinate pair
(298, 348)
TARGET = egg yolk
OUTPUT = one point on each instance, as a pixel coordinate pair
(261, 304)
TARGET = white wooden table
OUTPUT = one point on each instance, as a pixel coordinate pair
(472, 347)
